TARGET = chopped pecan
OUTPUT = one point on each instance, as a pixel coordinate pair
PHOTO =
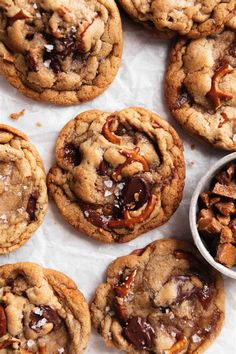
(226, 254)
(205, 213)
(226, 208)
(42, 349)
(215, 93)
(132, 156)
(178, 347)
(130, 221)
(108, 134)
(228, 191)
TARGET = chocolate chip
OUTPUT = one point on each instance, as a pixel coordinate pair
(55, 66)
(31, 206)
(72, 154)
(49, 314)
(139, 332)
(103, 168)
(3, 322)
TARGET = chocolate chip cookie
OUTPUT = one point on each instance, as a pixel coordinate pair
(117, 175)
(201, 88)
(62, 52)
(23, 190)
(190, 18)
(41, 311)
(161, 299)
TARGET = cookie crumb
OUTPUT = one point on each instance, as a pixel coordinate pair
(16, 116)
(38, 124)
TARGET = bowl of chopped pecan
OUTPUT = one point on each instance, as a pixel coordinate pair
(212, 215)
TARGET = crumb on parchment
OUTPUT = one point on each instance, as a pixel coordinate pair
(38, 124)
(16, 116)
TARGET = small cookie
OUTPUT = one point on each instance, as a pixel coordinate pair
(161, 299)
(41, 311)
(64, 54)
(23, 190)
(193, 19)
(201, 88)
(117, 174)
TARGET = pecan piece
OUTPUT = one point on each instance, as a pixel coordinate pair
(108, 134)
(9, 341)
(215, 93)
(132, 156)
(209, 225)
(226, 235)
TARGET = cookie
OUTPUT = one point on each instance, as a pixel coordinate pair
(23, 190)
(41, 311)
(194, 19)
(201, 88)
(61, 52)
(117, 175)
(161, 299)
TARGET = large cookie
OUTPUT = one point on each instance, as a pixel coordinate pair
(117, 175)
(190, 18)
(64, 52)
(201, 88)
(41, 311)
(163, 299)
(23, 190)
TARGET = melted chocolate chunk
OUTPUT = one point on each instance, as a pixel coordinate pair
(135, 193)
(121, 130)
(32, 206)
(31, 63)
(139, 332)
(72, 154)
(49, 314)
(103, 168)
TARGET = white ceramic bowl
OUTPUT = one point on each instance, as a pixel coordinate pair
(202, 186)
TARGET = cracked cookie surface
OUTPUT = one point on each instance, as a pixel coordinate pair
(65, 52)
(160, 299)
(201, 88)
(117, 175)
(23, 190)
(41, 312)
(191, 18)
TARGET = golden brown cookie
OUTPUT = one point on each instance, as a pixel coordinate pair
(23, 190)
(201, 88)
(62, 52)
(41, 311)
(117, 175)
(162, 299)
(190, 18)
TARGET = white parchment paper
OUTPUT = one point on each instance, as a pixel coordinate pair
(56, 244)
